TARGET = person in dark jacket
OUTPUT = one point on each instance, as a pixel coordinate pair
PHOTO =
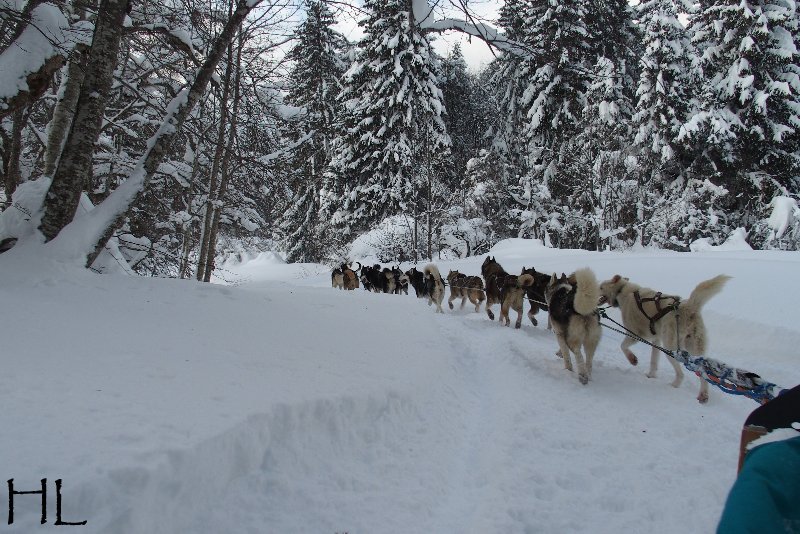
(766, 494)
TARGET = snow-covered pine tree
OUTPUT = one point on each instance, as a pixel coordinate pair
(555, 97)
(466, 119)
(496, 178)
(601, 172)
(511, 75)
(554, 101)
(313, 87)
(664, 87)
(393, 127)
(665, 97)
(750, 104)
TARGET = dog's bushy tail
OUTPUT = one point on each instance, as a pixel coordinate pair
(704, 291)
(587, 291)
(432, 270)
(525, 280)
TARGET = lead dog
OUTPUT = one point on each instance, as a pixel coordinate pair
(651, 315)
(465, 287)
(571, 302)
(434, 286)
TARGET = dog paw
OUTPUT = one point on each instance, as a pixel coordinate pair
(650, 375)
(517, 326)
(450, 304)
(583, 379)
(632, 358)
(677, 383)
(702, 398)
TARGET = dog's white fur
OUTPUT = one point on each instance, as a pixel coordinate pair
(689, 325)
(583, 327)
(436, 295)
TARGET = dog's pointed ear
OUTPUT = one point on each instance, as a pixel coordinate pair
(616, 279)
(553, 278)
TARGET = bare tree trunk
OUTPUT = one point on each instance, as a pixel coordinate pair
(75, 163)
(206, 260)
(430, 229)
(13, 176)
(183, 269)
(65, 108)
(223, 185)
(111, 213)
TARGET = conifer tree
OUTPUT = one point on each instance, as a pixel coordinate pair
(511, 76)
(393, 131)
(664, 88)
(555, 97)
(750, 104)
(466, 120)
(314, 88)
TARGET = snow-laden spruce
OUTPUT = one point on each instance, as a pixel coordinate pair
(750, 104)
(314, 87)
(664, 88)
(392, 124)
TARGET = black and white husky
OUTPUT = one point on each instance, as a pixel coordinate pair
(572, 302)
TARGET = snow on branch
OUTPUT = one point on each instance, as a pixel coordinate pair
(177, 38)
(482, 31)
(30, 61)
(423, 15)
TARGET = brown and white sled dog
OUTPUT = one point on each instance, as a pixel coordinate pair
(350, 277)
(513, 289)
(434, 286)
(572, 302)
(651, 315)
(465, 287)
(494, 277)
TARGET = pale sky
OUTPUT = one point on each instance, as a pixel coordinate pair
(476, 53)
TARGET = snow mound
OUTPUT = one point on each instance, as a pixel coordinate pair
(736, 241)
(517, 247)
(385, 243)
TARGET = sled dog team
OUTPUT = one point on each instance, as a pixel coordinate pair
(572, 303)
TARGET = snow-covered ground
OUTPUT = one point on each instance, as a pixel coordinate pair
(281, 405)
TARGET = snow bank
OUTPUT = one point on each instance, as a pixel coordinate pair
(517, 248)
(736, 241)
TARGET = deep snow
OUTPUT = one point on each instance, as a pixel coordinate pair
(282, 405)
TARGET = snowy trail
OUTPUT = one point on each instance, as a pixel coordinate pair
(296, 408)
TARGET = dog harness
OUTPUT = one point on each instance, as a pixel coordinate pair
(660, 312)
